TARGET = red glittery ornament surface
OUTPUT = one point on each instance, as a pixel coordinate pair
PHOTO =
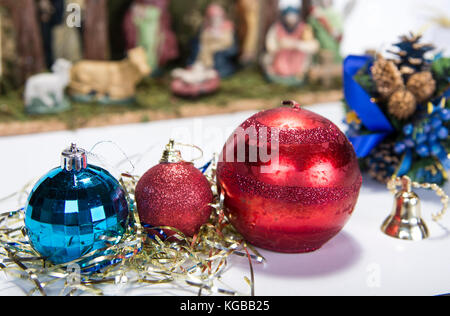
(299, 201)
(176, 195)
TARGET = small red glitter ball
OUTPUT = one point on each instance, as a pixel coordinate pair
(176, 195)
(295, 203)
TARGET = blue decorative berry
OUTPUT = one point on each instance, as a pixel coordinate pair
(442, 132)
(409, 142)
(427, 128)
(436, 149)
(432, 138)
(399, 148)
(421, 138)
(423, 150)
(436, 122)
(408, 129)
(445, 115)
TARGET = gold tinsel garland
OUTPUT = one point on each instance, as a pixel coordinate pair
(137, 258)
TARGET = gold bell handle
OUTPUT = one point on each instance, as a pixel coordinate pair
(407, 185)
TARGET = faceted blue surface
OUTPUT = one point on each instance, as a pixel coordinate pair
(68, 211)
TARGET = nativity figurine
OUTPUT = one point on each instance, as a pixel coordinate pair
(327, 24)
(216, 45)
(290, 48)
(147, 24)
(214, 56)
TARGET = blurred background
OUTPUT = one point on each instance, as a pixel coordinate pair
(174, 34)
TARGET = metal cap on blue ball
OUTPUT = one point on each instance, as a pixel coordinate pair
(74, 209)
(73, 158)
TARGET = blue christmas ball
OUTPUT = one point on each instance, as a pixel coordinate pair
(72, 207)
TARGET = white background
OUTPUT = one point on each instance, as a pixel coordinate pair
(376, 24)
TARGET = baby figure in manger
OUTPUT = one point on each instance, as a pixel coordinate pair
(213, 57)
(290, 46)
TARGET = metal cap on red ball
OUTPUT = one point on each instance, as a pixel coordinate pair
(290, 179)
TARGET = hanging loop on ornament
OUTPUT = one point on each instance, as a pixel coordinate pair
(124, 154)
(201, 154)
(172, 155)
(293, 104)
(407, 184)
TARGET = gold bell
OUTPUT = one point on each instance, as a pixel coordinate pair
(406, 222)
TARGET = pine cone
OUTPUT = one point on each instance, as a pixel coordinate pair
(411, 54)
(382, 162)
(422, 85)
(406, 71)
(402, 104)
(387, 77)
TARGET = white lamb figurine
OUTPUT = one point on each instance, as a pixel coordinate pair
(49, 87)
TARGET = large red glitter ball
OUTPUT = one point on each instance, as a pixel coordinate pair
(295, 203)
(176, 195)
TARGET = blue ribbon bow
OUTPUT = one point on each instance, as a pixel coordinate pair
(368, 111)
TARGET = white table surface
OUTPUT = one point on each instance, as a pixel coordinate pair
(359, 261)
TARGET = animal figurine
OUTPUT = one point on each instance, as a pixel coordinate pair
(109, 82)
(44, 93)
